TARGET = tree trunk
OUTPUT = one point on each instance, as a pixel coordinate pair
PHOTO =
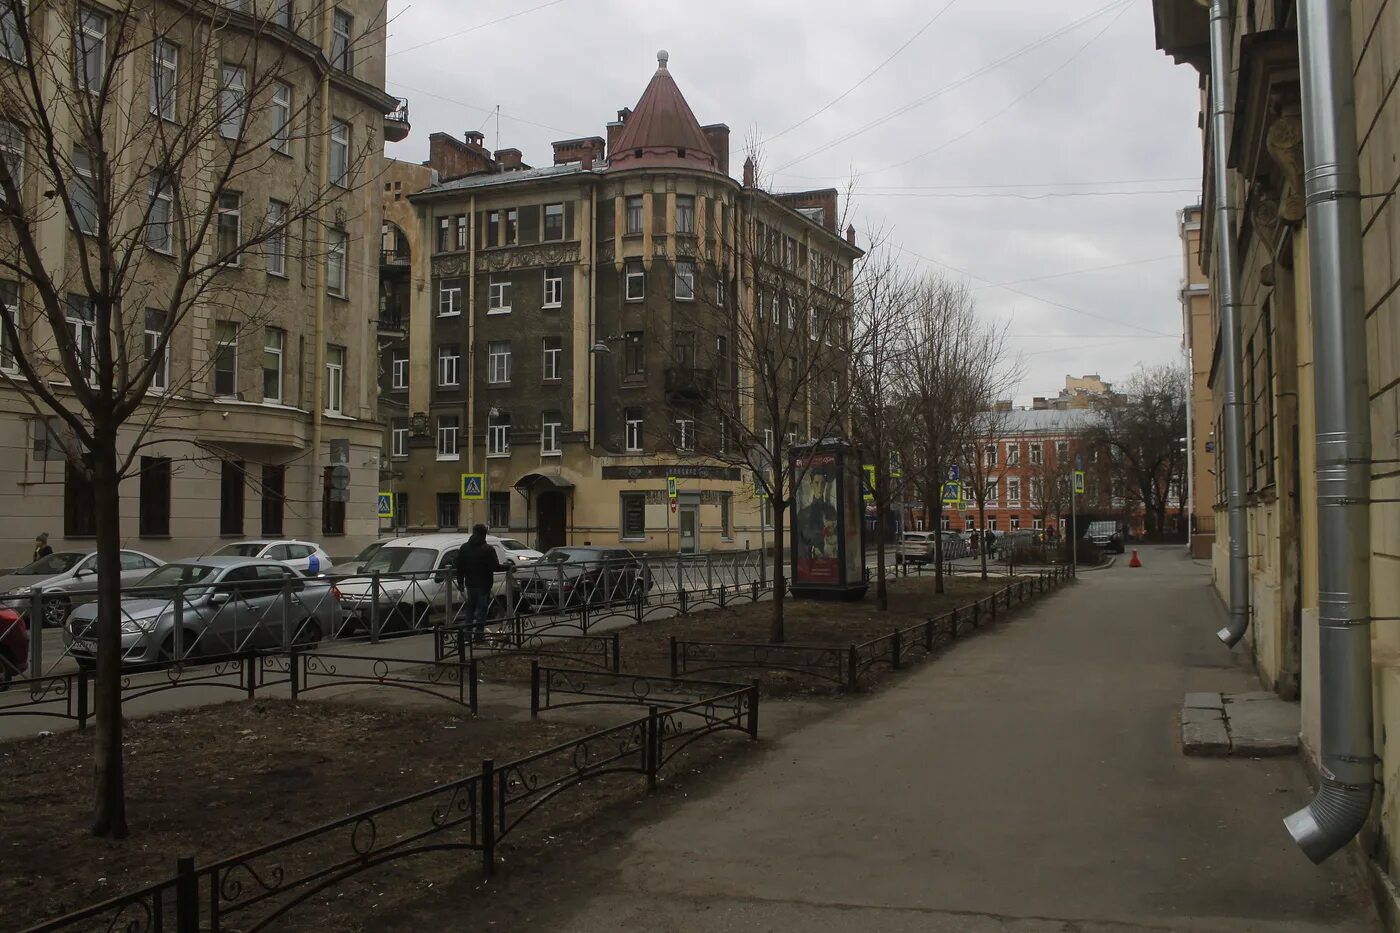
(933, 507)
(882, 596)
(982, 520)
(109, 816)
(775, 634)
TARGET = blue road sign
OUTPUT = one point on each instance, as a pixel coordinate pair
(473, 485)
(386, 505)
(953, 473)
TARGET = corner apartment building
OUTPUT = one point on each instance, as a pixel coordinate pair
(1198, 339)
(245, 447)
(551, 344)
(1273, 237)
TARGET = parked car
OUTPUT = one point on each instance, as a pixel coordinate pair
(417, 581)
(227, 604)
(1108, 535)
(308, 557)
(917, 547)
(573, 577)
(14, 646)
(363, 558)
(68, 578)
(514, 553)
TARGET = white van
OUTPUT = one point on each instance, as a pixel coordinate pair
(418, 580)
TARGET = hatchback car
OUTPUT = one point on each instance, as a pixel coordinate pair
(417, 582)
(513, 553)
(572, 577)
(14, 646)
(226, 604)
(308, 557)
(68, 578)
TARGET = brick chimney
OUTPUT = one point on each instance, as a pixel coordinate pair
(615, 128)
(717, 135)
(851, 239)
(748, 172)
(509, 159)
(579, 150)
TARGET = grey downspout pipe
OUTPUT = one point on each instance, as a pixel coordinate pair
(1227, 284)
(1333, 188)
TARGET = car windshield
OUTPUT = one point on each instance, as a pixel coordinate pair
(242, 549)
(369, 551)
(172, 575)
(561, 555)
(510, 544)
(54, 563)
(401, 560)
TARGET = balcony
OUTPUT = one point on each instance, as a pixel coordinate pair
(395, 258)
(689, 382)
(396, 124)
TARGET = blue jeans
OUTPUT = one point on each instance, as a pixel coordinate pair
(478, 604)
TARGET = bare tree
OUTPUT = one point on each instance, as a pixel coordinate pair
(985, 465)
(137, 126)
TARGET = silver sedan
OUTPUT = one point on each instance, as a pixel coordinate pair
(67, 578)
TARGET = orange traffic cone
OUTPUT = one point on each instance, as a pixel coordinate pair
(1135, 562)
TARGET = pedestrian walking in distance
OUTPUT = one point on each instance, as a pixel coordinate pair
(41, 546)
(477, 567)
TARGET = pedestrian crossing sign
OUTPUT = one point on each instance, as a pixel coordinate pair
(473, 485)
(869, 490)
(952, 494)
(1079, 482)
(386, 505)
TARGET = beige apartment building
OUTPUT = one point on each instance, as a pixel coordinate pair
(1198, 339)
(259, 406)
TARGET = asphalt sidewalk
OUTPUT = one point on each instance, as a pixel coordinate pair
(1030, 780)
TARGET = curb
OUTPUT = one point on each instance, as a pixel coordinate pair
(1111, 561)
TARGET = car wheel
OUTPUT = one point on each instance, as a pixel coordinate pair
(56, 609)
(167, 647)
(307, 634)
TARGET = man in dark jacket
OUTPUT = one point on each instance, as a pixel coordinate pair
(477, 567)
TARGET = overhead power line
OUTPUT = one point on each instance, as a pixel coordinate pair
(487, 110)
(1061, 275)
(463, 32)
(1019, 196)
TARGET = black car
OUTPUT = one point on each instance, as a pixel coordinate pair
(1110, 536)
(574, 577)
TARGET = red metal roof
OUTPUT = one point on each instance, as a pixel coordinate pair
(662, 130)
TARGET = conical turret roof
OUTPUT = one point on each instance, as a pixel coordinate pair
(662, 130)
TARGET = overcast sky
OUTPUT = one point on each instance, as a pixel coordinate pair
(982, 99)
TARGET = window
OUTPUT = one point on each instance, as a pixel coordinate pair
(1037, 490)
(1037, 524)
(1015, 521)
(274, 341)
(159, 231)
(449, 505)
(684, 437)
(165, 70)
(1013, 454)
(79, 518)
(498, 361)
(634, 214)
(154, 331)
(274, 496)
(335, 380)
(155, 497)
(1061, 451)
(722, 360)
(461, 230)
(398, 370)
(231, 497)
(11, 43)
(449, 301)
(1013, 491)
(634, 360)
(84, 193)
(335, 263)
(276, 238)
(726, 512)
(449, 364)
(398, 438)
(225, 358)
(553, 222)
(282, 16)
(342, 55)
(550, 424)
(685, 214)
(553, 288)
(991, 454)
(230, 228)
(553, 352)
(282, 118)
(232, 105)
(81, 315)
(9, 307)
(90, 60)
(493, 228)
(448, 437)
(498, 434)
(993, 491)
(340, 153)
(12, 151)
(498, 300)
(512, 226)
(635, 280)
(685, 281)
(991, 524)
(444, 234)
(634, 515)
(683, 348)
(1037, 454)
(500, 509)
(332, 505)
(634, 429)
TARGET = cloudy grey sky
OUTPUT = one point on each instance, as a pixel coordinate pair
(1023, 145)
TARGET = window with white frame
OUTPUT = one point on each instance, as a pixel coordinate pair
(1015, 521)
(1013, 491)
(335, 380)
(151, 337)
(398, 439)
(550, 425)
(159, 221)
(684, 438)
(225, 358)
(340, 153)
(498, 434)
(1037, 489)
(991, 453)
(398, 370)
(553, 222)
(274, 349)
(498, 297)
(634, 214)
(165, 71)
(281, 118)
(553, 358)
(277, 238)
(230, 228)
(449, 429)
(84, 191)
(11, 42)
(1037, 453)
(342, 51)
(449, 300)
(493, 228)
(512, 226)
(1037, 524)
(1013, 454)
(553, 288)
(991, 524)
(335, 262)
(685, 281)
(90, 53)
(993, 492)
(685, 214)
(233, 104)
(634, 423)
(9, 307)
(81, 331)
(12, 151)
(498, 362)
(449, 366)
(635, 280)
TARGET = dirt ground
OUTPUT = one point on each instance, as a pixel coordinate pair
(219, 780)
